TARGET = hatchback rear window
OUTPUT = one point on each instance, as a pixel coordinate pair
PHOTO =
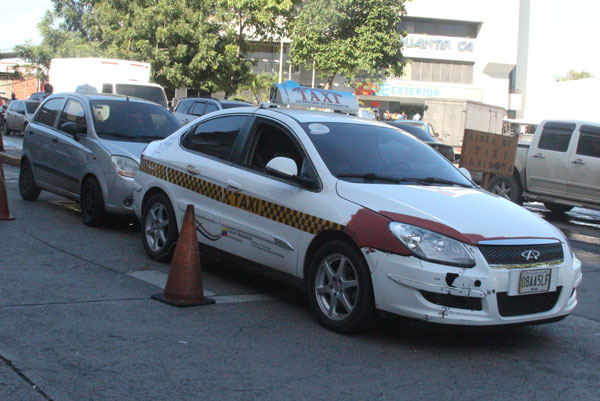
(131, 120)
(151, 93)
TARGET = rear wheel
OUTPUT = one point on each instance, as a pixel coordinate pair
(159, 228)
(92, 203)
(29, 191)
(340, 290)
(506, 187)
(557, 207)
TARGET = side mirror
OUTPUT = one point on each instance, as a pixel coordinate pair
(466, 173)
(284, 167)
(70, 128)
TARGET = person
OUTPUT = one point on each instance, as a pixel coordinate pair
(403, 116)
(13, 97)
(417, 116)
(387, 115)
(48, 89)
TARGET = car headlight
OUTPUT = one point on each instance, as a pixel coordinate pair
(431, 246)
(125, 166)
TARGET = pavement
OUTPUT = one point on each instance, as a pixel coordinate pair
(13, 145)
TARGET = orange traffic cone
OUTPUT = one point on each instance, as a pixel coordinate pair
(4, 215)
(184, 285)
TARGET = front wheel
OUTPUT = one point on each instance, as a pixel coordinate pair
(159, 228)
(506, 187)
(340, 290)
(557, 208)
(92, 203)
(27, 188)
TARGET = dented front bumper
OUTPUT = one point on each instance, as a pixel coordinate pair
(481, 295)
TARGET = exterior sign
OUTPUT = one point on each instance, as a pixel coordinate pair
(488, 153)
(294, 95)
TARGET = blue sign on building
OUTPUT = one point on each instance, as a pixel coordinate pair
(389, 89)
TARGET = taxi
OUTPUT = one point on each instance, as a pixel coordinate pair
(363, 216)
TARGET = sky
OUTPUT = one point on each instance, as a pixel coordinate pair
(571, 29)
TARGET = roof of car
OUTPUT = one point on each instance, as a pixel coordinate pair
(101, 96)
(309, 116)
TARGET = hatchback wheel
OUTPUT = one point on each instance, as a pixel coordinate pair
(159, 233)
(340, 290)
(29, 191)
(92, 203)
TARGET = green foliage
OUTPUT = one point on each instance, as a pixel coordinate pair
(359, 39)
(572, 75)
(258, 87)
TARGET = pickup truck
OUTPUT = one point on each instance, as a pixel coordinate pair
(559, 167)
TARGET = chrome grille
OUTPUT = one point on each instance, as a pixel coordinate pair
(515, 256)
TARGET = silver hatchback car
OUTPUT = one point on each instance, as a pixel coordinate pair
(87, 147)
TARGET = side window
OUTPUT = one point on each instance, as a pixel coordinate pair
(49, 111)
(272, 141)
(74, 113)
(210, 107)
(107, 88)
(12, 106)
(21, 108)
(556, 137)
(197, 109)
(589, 141)
(183, 106)
(214, 137)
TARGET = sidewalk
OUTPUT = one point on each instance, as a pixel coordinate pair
(13, 145)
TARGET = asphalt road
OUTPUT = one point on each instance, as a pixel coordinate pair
(77, 323)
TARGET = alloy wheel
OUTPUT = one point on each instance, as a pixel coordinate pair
(336, 286)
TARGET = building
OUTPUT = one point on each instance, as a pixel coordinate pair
(22, 84)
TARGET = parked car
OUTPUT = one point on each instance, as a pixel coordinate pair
(87, 148)
(363, 217)
(558, 165)
(416, 130)
(37, 96)
(189, 109)
(18, 115)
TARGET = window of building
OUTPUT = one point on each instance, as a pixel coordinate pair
(424, 26)
(440, 71)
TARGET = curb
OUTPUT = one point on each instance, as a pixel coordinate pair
(9, 159)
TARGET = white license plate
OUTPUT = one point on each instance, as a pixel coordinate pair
(534, 281)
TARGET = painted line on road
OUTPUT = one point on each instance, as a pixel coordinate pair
(159, 279)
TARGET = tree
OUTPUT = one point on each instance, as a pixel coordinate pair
(353, 38)
(573, 75)
(259, 86)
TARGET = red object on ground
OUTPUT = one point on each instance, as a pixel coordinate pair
(184, 285)
(4, 215)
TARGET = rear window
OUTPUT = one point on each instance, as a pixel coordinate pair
(151, 93)
(131, 120)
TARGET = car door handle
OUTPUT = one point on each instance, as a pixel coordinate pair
(192, 170)
(578, 161)
(234, 186)
(539, 156)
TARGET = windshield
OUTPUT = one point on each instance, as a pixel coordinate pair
(152, 93)
(369, 153)
(31, 107)
(131, 120)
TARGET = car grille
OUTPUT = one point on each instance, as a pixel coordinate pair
(452, 301)
(514, 256)
(526, 304)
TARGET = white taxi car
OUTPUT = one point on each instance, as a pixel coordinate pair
(365, 217)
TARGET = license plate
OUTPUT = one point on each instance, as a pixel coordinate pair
(534, 281)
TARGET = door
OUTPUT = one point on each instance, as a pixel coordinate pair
(259, 209)
(182, 110)
(584, 167)
(41, 140)
(71, 154)
(548, 160)
(19, 121)
(11, 115)
(197, 172)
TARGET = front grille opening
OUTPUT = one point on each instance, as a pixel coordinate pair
(452, 301)
(526, 304)
(513, 254)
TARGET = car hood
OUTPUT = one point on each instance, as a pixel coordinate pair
(132, 150)
(467, 214)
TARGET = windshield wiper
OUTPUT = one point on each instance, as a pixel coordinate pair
(153, 137)
(371, 177)
(436, 180)
(115, 135)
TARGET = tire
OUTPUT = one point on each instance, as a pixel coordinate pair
(339, 273)
(506, 187)
(92, 203)
(5, 130)
(159, 228)
(29, 191)
(557, 208)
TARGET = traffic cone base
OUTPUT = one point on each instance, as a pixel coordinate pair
(184, 284)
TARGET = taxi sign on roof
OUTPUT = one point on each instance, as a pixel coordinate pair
(293, 95)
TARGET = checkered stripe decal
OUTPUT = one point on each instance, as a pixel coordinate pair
(272, 211)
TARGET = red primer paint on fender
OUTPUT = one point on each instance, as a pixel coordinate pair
(371, 230)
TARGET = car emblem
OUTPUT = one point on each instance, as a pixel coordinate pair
(530, 254)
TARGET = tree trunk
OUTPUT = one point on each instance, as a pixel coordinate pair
(329, 83)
